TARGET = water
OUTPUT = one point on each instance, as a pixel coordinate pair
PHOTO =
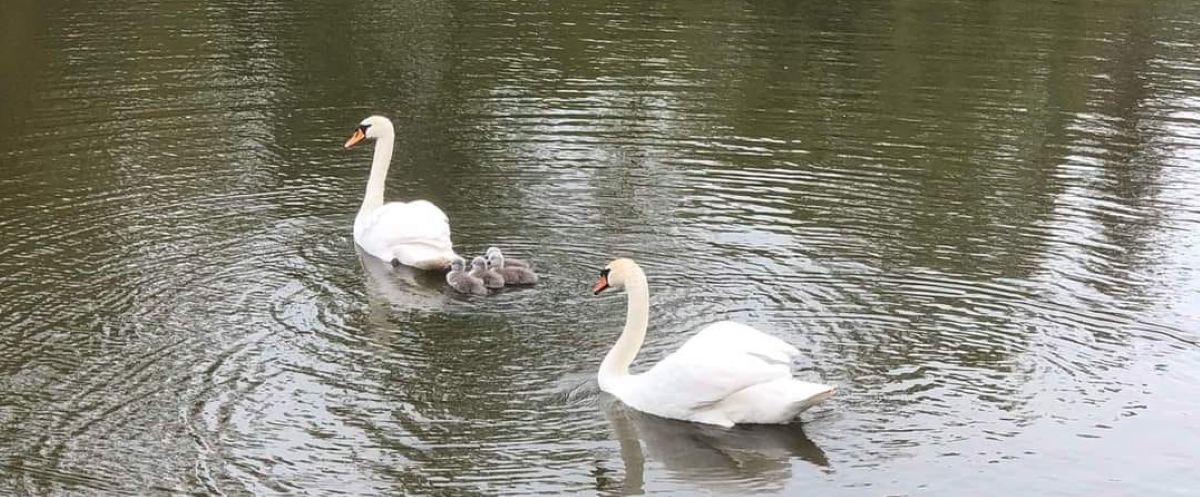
(978, 220)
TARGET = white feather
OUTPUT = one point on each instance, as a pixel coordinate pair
(413, 233)
(727, 373)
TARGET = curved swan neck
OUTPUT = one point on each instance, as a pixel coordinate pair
(637, 318)
(379, 169)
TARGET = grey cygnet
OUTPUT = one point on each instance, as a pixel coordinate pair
(480, 269)
(461, 281)
(512, 275)
(508, 261)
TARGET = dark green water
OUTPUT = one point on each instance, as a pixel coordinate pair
(980, 220)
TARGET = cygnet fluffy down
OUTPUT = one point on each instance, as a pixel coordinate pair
(512, 275)
(508, 261)
(480, 269)
(463, 282)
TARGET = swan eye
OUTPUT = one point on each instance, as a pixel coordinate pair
(604, 273)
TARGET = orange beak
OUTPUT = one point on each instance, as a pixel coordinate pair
(600, 286)
(355, 138)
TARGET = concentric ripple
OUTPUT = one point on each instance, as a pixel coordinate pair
(978, 220)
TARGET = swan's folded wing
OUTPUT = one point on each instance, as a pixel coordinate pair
(720, 360)
(400, 223)
(729, 336)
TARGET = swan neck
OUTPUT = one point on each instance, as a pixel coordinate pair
(379, 169)
(637, 318)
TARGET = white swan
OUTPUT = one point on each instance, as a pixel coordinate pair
(726, 374)
(413, 233)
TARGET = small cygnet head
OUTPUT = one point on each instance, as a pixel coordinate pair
(495, 259)
(373, 127)
(492, 251)
(478, 263)
(458, 265)
(616, 274)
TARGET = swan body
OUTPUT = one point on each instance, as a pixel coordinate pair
(727, 373)
(463, 282)
(490, 277)
(414, 233)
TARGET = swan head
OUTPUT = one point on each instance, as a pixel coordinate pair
(616, 274)
(457, 265)
(478, 263)
(373, 127)
(492, 251)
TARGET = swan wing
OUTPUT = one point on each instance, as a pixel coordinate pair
(720, 360)
(728, 336)
(400, 223)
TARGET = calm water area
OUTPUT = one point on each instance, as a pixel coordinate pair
(980, 220)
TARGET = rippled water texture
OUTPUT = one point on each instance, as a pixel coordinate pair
(980, 220)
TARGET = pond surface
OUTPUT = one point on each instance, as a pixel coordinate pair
(980, 220)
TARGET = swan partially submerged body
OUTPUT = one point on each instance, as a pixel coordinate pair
(726, 374)
(413, 233)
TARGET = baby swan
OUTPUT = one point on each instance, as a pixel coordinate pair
(480, 269)
(512, 275)
(508, 261)
(461, 281)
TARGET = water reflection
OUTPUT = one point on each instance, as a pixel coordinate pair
(401, 287)
(980, 217)
(744, 459)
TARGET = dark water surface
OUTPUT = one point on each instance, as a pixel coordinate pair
(980, 220)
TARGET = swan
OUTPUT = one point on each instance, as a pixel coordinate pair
(413, 233)
(728, 373)
(462, 281)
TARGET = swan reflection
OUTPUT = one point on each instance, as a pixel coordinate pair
(402, 286)
(749, 458)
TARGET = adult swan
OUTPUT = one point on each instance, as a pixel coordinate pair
(726, 374)
(413, 233)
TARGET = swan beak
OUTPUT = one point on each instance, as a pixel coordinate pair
(355, 138)
(600, 286)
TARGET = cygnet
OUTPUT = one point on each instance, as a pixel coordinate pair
(508, 261)
(463, 282)
(480, 269)
(512, 275)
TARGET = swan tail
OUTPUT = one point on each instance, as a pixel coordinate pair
(804, 395)
(424, 257)
(775, 402)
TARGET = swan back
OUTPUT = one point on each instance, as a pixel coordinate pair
(727, 373)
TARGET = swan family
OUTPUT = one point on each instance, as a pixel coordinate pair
(726, 374)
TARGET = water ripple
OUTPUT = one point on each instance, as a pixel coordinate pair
(989, 251)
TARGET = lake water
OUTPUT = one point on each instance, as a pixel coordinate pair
(980, 220)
